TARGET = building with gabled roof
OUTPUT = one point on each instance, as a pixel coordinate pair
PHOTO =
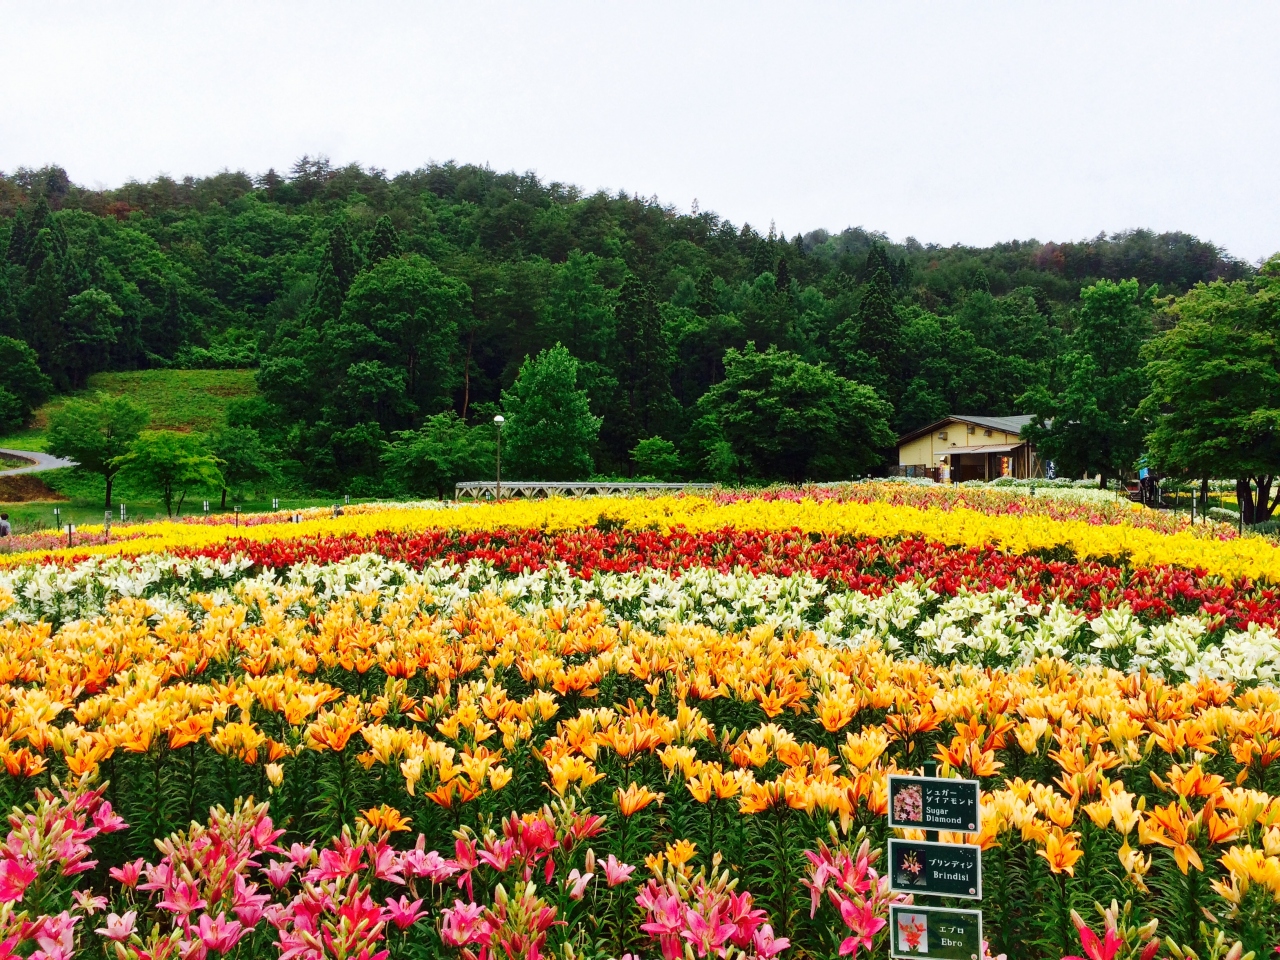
(966, 447)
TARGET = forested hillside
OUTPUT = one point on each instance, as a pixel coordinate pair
(372, 305)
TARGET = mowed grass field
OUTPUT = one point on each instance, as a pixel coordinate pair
(182, 400)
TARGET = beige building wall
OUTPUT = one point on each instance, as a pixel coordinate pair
(924, 451)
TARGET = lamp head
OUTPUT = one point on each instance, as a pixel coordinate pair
(499, 419)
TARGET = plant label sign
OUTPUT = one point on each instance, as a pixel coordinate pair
(938, 869)
(935, 932)
(933, 803)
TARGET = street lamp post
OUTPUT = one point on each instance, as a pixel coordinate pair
(499, 420)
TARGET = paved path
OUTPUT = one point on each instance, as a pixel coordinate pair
(41, 462)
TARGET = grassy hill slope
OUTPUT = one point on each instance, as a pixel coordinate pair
(184, 400)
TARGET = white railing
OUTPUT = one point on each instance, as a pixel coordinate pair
(487, 489)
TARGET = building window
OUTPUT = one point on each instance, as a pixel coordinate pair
(973, 429)
(942, 434)
(986, 433)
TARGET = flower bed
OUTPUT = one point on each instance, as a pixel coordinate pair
(610, 728)
(1196, 549)
(946, 606)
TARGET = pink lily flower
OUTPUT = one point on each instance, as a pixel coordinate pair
(386, 863)
(463, 924)
(278, 873)
(404, 914)
(864, 924)
(1095, 949)
(15, 876)
(499, 854)
(301, 855)
(577, 883)
(766, 944)
(430, 865)
(107, 820)
(88, 903)
(337, 862)
(464, 852)
(247, 903)
(119, 928)
(616, 872)
(55, 937)
(220, 935)
(128, 874)
(183, 899)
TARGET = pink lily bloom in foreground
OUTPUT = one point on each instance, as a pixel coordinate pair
(616, 872)
(119, 928)
(128, 874)
(15, 876)
(403, 913)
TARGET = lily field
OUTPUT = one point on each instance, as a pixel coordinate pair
(637, 728)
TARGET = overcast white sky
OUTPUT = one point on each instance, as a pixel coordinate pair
(955, 122)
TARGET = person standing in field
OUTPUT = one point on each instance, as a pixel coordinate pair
(4, 525)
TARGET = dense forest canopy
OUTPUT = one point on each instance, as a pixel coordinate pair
(373, 304)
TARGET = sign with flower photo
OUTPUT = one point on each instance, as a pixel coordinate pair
(938, 869)
(938, 933)
(933, 803)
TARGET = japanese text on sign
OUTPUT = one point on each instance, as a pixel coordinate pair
(941, 869)
(934, 803)
(934, 933)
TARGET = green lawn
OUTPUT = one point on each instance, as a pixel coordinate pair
(29, 517)
(184, 400)
(176, 399)
(85, 501)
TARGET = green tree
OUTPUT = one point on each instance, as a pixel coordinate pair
(244, 457)
(550, 429)
(383, 243)
(168, 327)
(439, 454)
(45, 298)
(9, 326)
(339, 266)
(327, 295)
(403, 315)
(789, 420)
(172, 464)
(641, 362)
(88, 329)
(1091, 423)
(96, 433)
(879, 330)
(16, 253)
(344, 258)
(24, 385)
(1214, 404)
(657, 458)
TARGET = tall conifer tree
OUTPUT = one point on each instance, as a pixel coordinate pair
(344, 259)
(878, 322)
(8, 310)
(18, 234)
(45, 299)
(642, 365)
(384, 242)
(326, 299)
(706, 305)
(783, 277)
